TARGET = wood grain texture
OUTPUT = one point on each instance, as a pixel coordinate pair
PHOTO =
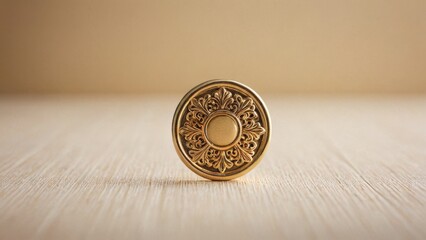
(105, 168)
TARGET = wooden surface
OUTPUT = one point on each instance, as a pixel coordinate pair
(80, 167)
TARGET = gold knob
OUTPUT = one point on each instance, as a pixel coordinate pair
(221, 129)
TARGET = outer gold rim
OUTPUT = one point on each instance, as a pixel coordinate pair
(176, 123)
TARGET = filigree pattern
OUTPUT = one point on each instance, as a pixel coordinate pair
(198, 148)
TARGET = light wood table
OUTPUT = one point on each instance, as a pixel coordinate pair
(104, 167)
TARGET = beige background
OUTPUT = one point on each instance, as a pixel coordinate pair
(103, 166)
(165, 46)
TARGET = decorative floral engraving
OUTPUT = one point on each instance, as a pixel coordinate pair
(199, 110)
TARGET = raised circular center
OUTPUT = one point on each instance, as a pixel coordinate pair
(222, 130)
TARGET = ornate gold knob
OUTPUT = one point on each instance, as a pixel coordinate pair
(221, 129)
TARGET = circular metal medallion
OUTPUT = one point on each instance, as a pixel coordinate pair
(221, 129)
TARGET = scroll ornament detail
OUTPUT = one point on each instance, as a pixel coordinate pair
(198, 111)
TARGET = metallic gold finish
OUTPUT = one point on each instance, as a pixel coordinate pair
(221, 129)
